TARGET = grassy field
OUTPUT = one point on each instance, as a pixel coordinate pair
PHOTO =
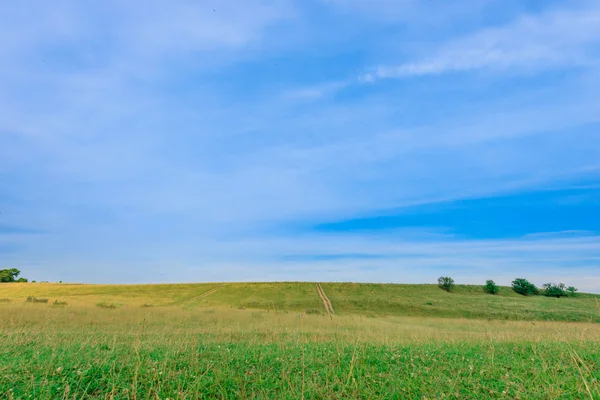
(347, 298)
(274, 340)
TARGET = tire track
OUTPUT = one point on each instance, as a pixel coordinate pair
(202, 295)
(326, 302)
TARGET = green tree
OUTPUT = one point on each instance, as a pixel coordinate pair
(554, 290)
(524, 287)
(22, 280)
(446, 283)
(9, 275)
(491, 287)
(572, 290)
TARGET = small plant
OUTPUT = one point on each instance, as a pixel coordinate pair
(312, 311)
(107, 305)
(429, 303)
(572, 290)
(491, 287)
(32, 299)
(4, 300)
(524, 287)
(446, 283)
(60, 303)
(147, 305)
(554, 290)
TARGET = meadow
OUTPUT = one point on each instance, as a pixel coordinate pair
(276, 340)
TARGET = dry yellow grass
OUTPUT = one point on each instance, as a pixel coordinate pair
(179, 351)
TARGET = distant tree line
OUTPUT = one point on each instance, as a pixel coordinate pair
(519, 285)
(11, 275)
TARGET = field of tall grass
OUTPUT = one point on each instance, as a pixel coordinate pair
(183, 346)
(347, 298)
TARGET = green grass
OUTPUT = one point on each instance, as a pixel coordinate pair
(464, 302)
(347, 299)
(266, 341)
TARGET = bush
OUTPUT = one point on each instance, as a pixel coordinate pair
(4, 300)
(32, 299)
(554, 290)
(107, 305)
(572, 290)
(446, 283)
(312, 311)
(524, 287)
(60, 303)
(22, 280)
(491, 287)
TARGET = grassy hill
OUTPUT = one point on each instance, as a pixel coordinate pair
(275, 340)
(347, 299)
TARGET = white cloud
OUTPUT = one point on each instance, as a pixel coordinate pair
(315, 92)
(555, 38)
(126, 140)
(398, 257)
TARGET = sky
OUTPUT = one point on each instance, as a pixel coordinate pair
(314, 140)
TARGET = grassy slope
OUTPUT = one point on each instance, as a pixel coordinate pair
(464, 302)
(85, 352)
(347, 299)
(386, 341)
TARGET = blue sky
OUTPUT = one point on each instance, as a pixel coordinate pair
(330, 140)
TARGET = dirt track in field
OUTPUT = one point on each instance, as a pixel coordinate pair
(191, 299)
(326, 302)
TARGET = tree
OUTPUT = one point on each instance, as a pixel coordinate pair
(491, 287)
(572, 290)
(446, 283)
(22, 280)
(524, 287)
(554, 290)
(9, 275)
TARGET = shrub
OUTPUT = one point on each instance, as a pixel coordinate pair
(60, 303)
(572, 290)
(22, 280)
(4, 300)
(446, 283)
(312, 311)
(107, 305)
(491, 287)
(524, 287)
(32, 299)
(554, 290)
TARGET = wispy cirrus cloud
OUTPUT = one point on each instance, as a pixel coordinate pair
(556, 38)
(398, 257)
(142, 137)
